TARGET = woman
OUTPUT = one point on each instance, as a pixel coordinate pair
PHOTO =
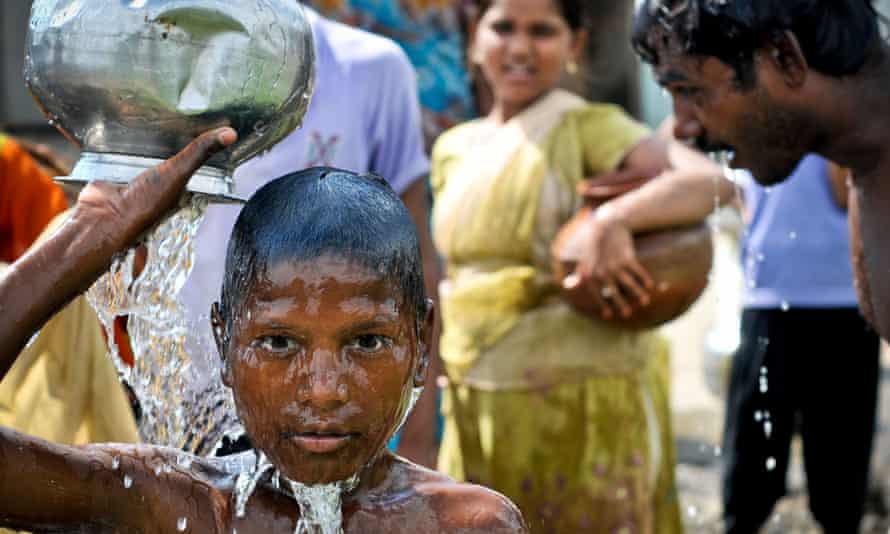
(565, 414)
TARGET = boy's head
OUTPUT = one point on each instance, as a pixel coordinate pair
(323, 322)
(745, 74)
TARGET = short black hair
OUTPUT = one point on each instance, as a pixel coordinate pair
(573, 11)
(836, 36)
(324, 211)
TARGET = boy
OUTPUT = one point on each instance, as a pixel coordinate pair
(323, 326)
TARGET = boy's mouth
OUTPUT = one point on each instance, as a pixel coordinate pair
(321, 442)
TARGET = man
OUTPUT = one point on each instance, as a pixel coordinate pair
(770, 80)
(364, 117)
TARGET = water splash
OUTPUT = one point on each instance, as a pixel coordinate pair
(320, 505)
(182, 523)
(181, 406)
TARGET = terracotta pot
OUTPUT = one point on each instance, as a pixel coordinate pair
(678, 259)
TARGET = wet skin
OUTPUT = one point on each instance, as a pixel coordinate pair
(89, 492)
(120, 488)
(322, 363)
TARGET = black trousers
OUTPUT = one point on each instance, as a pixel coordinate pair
(812, 370)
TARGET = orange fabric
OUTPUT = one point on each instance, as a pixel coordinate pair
(29, 200)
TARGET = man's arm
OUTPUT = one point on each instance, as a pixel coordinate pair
(418, 441)
(105, 220)
(42, 485)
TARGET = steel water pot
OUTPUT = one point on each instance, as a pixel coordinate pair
(133, 81)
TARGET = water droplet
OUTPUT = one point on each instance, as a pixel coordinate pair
(764, 386)
(182, 524)
(767, 429)
(770, 464)
(768, 189)
(758, 416)
(763, 369)
(760, 257)
(158, 470)
(792, 235)
(691, 511)
(128, 482)
(786, 305)
(115, 463)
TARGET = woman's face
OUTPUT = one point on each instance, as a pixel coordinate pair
(321, 363)
(521, 47)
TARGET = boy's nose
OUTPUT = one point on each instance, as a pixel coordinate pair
(324, 385)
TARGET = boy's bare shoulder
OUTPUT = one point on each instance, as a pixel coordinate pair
(467, 508)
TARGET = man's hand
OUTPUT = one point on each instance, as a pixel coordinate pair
(609, 272)
(122, 214)
(105, 220)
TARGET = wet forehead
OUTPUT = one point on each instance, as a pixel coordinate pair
(325, 281)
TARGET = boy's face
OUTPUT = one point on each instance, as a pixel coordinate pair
(321, 362)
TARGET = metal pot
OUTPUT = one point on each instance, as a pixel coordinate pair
(133, 81)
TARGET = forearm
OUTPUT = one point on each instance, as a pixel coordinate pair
(105, 221)
(52, 487)
(686, 193)
(45, 279)
(675, 198)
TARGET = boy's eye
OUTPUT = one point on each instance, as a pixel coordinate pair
(277, 344)
(369, 343)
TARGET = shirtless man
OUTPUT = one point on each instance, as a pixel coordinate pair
(769, 81)
(324, 335)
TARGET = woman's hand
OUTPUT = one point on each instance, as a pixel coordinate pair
(609, 271)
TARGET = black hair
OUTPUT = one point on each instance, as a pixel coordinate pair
(835, 36)
(319, 211)
(573, 11)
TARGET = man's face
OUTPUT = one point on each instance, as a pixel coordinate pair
(718, 114)
(321, 363)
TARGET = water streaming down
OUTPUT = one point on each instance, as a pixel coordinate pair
(320, 505)
(182, 406)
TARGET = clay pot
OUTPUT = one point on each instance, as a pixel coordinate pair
(678, 259)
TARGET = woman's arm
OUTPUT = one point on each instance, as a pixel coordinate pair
(685, 193)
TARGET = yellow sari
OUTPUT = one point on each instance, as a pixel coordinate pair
(566, 415)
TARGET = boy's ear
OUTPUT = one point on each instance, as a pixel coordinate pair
(424, 344)
(216, 324)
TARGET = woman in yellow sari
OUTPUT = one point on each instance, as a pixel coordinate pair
(565, 414)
